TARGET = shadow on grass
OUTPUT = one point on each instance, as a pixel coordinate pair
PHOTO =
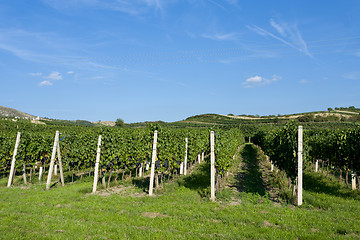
(315, 182)
(69, 178)
(141, 183)
(250, 179)
(198, 180)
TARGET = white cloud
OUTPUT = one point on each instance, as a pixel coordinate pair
(258, 81)
(54, 76)
(303, 81)
(49, 79)
(70, 72)
(45, 83)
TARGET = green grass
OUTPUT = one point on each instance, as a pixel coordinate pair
(181, 210)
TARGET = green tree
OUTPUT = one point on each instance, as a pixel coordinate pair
(119, 122)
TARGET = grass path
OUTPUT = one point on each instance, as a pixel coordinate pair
(181, 210)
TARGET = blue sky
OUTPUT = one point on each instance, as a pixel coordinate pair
(145, 60)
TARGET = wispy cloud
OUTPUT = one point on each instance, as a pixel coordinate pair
(21, 53)
(352, 76)
(303, 81)
(220, 37)
(257, 81)
(232, 2)
(35, 74)
(289, 35)
(48, 49)
(98, 77)
(224, 4)
(217, 4)
(131, 7)
(278, 27)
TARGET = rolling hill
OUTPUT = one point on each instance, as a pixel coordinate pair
(12, 113)
(350, 114)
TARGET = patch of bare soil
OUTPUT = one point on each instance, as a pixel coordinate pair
(108, 123)
(342, 111)
(153, 215)
(332, 114)
(235, 202)
(122, 190)
(38, 122)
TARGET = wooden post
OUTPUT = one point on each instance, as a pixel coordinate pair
(202, 156)
(317, 165)
(55, 170)
(153, 159)
(147, 166)
(140, 169)
(181, 168)
(96, 171)
(353, 180)
(24, 173)
(300, 165)
(12, 169)
(199, 158)
(185, 158)
(212, 165)
(53, 155)
(60, 165)
(40, 173)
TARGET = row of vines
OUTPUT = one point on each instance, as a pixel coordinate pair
(338, 148)
(122, 149)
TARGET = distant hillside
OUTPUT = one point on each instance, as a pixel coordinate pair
(105, 123)
(342, 114)
(12, 113)
(350, 114)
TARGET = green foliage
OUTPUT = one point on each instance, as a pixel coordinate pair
(281, 146)
(340, 147)
(119, 122)
(226, 145)
(121, 148)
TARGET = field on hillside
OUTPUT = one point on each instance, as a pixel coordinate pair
(245, 209)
